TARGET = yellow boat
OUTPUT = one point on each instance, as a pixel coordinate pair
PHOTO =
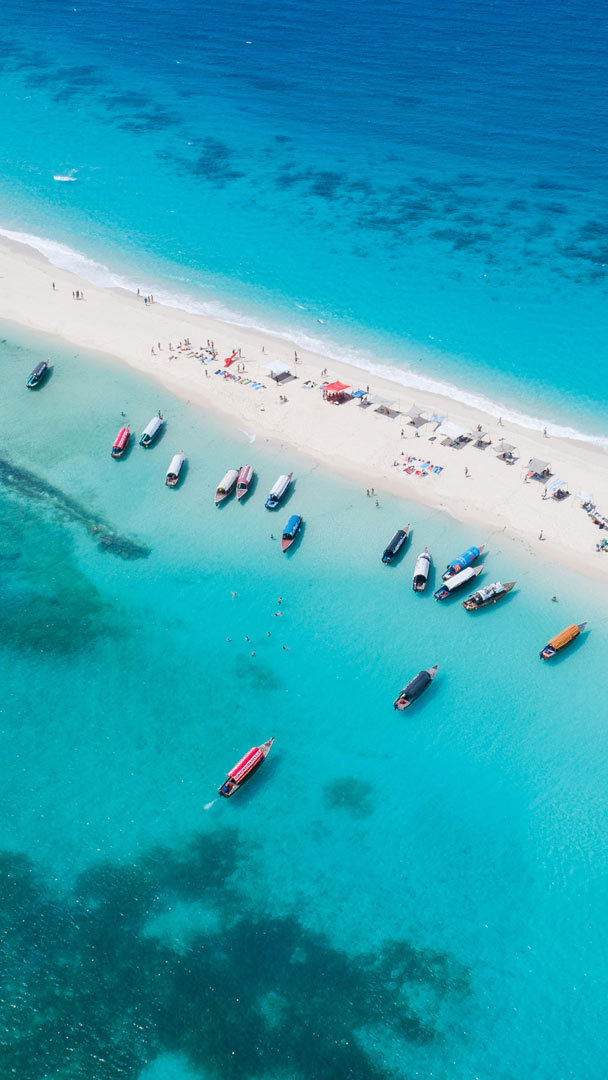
(561, 640)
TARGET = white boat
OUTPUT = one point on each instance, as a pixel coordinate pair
(174, 470)
(243, 483)
(422, 570)
(278, 490)
(448, 587)
(226, 486)
(151, 430)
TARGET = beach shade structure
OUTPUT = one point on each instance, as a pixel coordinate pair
(415, 416)
(436, 418)
(359, 394)
(558, 489)
(482, 439)
(384, 406)
(229, 359)
(278, 370)
(538, 469)
(452, 434)
(586, 498)
(336, 392)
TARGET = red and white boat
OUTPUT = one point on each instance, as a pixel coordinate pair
(244, 480)
(121, 442)
(244, 768)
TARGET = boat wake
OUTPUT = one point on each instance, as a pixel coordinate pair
(66, 258)
(208, 805)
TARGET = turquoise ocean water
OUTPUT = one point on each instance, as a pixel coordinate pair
(394, 895)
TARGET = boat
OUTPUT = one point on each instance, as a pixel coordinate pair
(561, 640)
(121, 442)
(422, 570)
(490, 594)
(395, 544)
(151, 430)
(244, 481)
(174, 470)
(38, 375)
(244, 768)
(415, 688)
(457, 581)
(290, 531)
(226, 486)
(277, 491)
(462, 561)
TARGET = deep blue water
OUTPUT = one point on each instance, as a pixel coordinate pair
(428, 181)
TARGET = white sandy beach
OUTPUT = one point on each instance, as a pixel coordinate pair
(348, 438)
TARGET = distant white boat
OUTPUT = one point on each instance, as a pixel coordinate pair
(64, 179)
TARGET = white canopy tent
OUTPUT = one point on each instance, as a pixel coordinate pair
(452, 432)
(416, 417)
(278, 370)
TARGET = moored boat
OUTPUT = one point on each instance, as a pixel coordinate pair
(151, 430)
(490, 594)
(415, 688)
(226, 486)
(561, 640)
(457, 581)
(38, 375)
(174, 470)
(422, 570)
(290, 531)
(121, 442)
(469, 556)
(278, 490)
(244, 769)
(244, 481)
(395, 544)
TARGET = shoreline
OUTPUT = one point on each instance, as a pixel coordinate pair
(353, 441)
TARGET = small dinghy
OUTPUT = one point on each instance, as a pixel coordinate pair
(561, 640)
(151, 430)
(415, 688)
(226, 486)
(38, 375)
(290, 531)
(278, 490)
(469, 556)
(121, 442)
(395, 544)
(457, 581)
(244, 768)
(490, 594)
(422, 570)
(174, 470)
(244, 481)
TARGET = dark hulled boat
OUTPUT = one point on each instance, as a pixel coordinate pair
(290, 531)
(469, 556)
(244, 769)
(395, 544)
(38, 375)
(415, 688)
(561, 640)
(422, 570)
(457, 581)
(121, 442)
(490, 594)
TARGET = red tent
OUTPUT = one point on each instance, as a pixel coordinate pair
(336, 388)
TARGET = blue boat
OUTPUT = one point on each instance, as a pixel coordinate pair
(38, 375)
(462, 562)
(277, 491)
(290, 531)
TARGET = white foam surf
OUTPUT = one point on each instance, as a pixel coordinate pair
(67, 258)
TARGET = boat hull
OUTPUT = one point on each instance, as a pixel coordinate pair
(121, 444)
(244, 769)
(38, 376)
(561, 640)
(462, 562)
(470, 605)
(415, 688)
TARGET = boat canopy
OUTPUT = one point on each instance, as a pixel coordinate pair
(465, 559)
(176, 463)
(423, 563)
(245, 474)
(488, 591)
(535, 465)
(151, 428)
(292, 525)
(416, 685)
(242, 767)
(564, 636)
(280, 487)
(121, 439)
(38, 370)
(228, 481)
(461, 578)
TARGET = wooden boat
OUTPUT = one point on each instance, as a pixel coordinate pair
(415, 688)
(290, 531)
(278, 490)
(461, 562)
(244, 481)
(121, 442)
(38, 375)
(244, 769)
(174, 470)
(226, 486)
(490, 594)
(422, 570)
(457, 581)
(561, 640)
(151, 430)
(395, 544)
